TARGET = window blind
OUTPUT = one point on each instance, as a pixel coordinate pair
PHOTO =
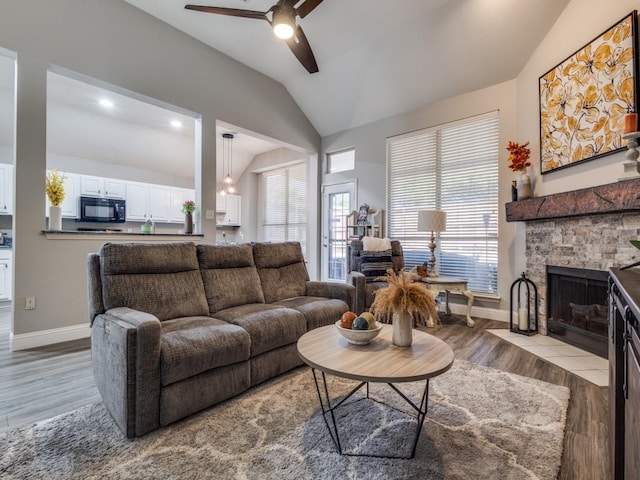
(285, 205)
(454, 168)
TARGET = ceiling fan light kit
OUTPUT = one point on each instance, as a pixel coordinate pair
(283, 26)
(283, 23)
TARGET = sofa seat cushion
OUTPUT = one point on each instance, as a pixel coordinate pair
(319, 311)
(193, 345)
(270, 326)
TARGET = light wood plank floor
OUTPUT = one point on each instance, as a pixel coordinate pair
(40, 383)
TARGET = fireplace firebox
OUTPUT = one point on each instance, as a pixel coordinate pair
(577, 311)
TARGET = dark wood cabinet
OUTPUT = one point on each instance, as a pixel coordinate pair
(624, 373)
(632, 407)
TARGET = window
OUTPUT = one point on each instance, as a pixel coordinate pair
(454, 168)
(341, 161)
(285, 205)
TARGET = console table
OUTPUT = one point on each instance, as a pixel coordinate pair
(446, 285)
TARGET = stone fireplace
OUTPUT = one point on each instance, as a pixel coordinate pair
(587, 229)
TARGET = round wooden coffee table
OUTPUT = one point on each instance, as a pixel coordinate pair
(326, 351)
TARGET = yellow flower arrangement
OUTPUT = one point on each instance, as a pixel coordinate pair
(55, 187)
(404, 293)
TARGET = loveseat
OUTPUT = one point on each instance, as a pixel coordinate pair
(176, 328)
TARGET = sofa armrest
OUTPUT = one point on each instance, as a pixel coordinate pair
(340, 291)
(125, 353)
(359, 281)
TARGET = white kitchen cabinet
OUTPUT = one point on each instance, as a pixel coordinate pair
(70, 203)
(137, 198)
(6, 189)
(5, 274)
(159, 202)
(102, 187)
(178, 196)
(146, 200)
(221, 203)
(232, 216)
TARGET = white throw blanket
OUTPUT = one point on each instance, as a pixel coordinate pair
(374, 244)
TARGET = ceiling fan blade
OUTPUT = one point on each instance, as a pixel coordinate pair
(300, 47)
(307, 7)
(233, 12)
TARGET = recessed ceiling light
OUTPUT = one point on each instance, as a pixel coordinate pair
(176, 123)
(106, 103)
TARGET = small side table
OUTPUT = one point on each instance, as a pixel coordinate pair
(447, 284)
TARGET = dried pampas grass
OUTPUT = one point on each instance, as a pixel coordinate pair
(404, 293)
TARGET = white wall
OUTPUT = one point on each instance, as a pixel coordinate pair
(370, 145)
(579, 23)
(86, 166)
(517, 100)
(248, 186)
(119, 44)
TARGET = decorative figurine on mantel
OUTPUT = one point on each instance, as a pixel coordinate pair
(631, 165)
(519, 162)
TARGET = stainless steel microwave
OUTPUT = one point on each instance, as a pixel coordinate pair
(104, 210)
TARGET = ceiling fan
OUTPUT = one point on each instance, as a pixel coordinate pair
(283, 22)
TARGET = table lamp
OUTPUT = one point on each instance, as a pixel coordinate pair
(432, 221)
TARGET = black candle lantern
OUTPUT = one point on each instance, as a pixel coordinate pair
(527, 314)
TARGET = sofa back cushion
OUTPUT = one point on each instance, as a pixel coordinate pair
(161, 279)
(282, 271)
(229, 275)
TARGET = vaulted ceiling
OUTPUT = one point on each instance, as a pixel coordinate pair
(376, 58)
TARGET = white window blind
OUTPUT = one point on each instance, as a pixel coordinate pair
(285, 205)
(454, 168)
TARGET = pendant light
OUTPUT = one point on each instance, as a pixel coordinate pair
(227, 164)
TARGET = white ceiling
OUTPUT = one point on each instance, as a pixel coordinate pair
(377, 58)
(136, 132)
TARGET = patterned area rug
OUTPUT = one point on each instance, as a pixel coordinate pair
(482, 423)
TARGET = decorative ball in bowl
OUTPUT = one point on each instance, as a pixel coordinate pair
(359, 337)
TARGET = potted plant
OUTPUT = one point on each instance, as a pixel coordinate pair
(405, 300)
(188, 208)
(54, 186)
(519, 162)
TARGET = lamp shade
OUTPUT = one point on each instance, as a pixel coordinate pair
(432, 221)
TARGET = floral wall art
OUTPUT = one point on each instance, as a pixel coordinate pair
(584, 99)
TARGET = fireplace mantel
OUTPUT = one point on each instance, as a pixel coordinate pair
(611, 198)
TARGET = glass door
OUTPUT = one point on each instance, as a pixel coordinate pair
(337, 203)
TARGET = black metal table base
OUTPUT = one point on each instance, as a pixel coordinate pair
(328, 410)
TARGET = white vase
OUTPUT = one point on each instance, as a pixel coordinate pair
(55, 217)
(402, 329)
(524, 186)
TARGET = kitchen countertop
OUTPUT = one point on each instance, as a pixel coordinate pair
(75, 234)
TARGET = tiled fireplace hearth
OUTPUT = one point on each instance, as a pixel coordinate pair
(589, 228)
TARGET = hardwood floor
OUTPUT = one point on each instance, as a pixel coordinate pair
(40, 383)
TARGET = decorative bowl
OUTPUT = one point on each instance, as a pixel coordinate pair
(359, 337)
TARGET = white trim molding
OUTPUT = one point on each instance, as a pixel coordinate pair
(480, 312)
(22, 341)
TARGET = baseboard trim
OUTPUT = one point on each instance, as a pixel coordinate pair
(23, 341)
(481, 312)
